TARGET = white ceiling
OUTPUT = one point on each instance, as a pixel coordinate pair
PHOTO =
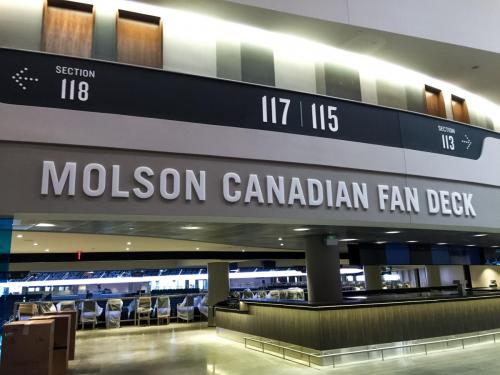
(56, 242)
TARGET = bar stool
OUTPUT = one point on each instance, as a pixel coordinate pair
(66, 306)
(162, 309)
(113, 312)
(89, 313)
(143, 310)
(185, 309)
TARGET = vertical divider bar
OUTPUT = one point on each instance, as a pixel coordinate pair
(5, 246)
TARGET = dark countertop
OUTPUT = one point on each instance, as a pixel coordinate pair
(376, 300)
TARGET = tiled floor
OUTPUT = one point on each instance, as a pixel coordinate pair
(194, 349)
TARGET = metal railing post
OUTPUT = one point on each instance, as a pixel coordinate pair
(382, 352)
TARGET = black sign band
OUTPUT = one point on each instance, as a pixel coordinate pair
(44, 80)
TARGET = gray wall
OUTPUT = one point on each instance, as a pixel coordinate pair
(21, 24)
(104, 46)
(21, 193)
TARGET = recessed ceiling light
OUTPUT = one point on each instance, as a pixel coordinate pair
(190, 227)
(442, 243)
(45, 225)
(280, 239)
(301, 229)
(128, 248)
(47, 250)
(479, 235)
(129, 243)
(348, 239)
(470, 245)
(393, 232)
(282, 244)
(35, 243)
(412, 241)
(197, 248)
(131, 228)
(19, 236)
(242, 250)
(380, 242)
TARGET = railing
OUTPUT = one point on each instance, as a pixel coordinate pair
(283, 350)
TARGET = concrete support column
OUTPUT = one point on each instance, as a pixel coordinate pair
(218, 287)
(323, 271)
(433, 276)
(373, 279)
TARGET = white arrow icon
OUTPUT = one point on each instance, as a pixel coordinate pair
(21, 79)
(467, 141)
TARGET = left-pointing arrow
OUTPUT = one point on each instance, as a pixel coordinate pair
(22, 79)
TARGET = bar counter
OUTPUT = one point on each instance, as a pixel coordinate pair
(351, 324)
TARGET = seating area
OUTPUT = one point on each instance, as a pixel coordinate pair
(75, 275)
(47, 276)
(275, 294)
(119, 310)
(186, 309)
(115, 312)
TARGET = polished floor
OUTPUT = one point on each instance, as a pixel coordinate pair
(194, 349)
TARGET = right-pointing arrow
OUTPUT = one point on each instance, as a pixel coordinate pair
(467, 141)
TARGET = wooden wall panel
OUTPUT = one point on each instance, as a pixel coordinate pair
(139, 42)
(68, 31)
(435, 102)
(335, 328)
(459, 109)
